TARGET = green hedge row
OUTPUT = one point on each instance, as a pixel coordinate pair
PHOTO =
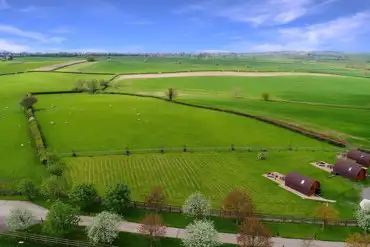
(313, 134)
(36, 135)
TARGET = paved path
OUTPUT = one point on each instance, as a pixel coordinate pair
(220, 73)
(6, 206)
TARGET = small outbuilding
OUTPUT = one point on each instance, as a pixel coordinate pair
(300, 183)
(349, 169)
(360, 157)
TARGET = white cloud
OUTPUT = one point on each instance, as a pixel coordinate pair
(30, 35)
(340, 32)
(4, 5)
(12, 47)
(257, 12)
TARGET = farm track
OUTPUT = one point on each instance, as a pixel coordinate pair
(58, 66)
(220, 73)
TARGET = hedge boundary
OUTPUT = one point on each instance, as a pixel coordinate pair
(14, 73)
(309, 133)
(73, 72)
(36, 135)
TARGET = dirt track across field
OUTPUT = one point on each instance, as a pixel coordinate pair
(219, 73)
(59, 65)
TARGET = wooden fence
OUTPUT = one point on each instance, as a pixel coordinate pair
(264, 217)
(49, 240)
(185, 148)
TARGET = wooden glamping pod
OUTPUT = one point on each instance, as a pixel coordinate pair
(360, 157)
(305, 185)
(349, 169)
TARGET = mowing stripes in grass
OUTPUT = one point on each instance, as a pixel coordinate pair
(215, 175)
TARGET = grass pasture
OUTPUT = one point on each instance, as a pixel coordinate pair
(215, 174)
(260, 63)
(18, 161)
(338, 106)
(24, 64)
(114, 122)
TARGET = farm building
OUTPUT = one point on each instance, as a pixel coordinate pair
(349, 169)
(360, 157)
(302, 184)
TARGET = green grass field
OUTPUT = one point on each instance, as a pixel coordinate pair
(18, 161)
(167, 64)
(216, 174)
(28, 63)
(338, 106)
(106, 122)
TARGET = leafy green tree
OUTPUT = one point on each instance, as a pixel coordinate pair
(61, 219)
(53, 188)
(117, 198)
(84, 195)
(28, 101)
(91, 59)
(79, 84)
(266, 96)
(103, 83)
(56, 170)
(92, 85)
(28, 188)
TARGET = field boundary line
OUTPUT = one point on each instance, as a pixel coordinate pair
(310, 133)
(263, 216)
(186, 149)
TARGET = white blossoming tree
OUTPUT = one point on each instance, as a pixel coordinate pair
(201, 233)
(196, 205)
(104, 228)
(19, 219)
(363, 218)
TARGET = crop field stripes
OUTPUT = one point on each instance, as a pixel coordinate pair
(200, 150)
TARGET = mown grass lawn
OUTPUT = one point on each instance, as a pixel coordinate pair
(215, 175)
(20, 161)
(113, 122)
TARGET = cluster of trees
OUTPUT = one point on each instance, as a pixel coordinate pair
(90, 85)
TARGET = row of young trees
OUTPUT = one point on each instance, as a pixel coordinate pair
(237, 204)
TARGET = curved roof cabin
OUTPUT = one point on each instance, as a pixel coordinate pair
(349, 169)
(302, 184)
(360, 157)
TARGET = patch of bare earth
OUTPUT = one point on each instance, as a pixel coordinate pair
(219, 73)
(59, 65)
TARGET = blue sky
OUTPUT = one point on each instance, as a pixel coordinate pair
(180, 25)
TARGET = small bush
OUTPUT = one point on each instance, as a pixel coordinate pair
(91, 59)
(266, 96)
(28, 101)
(56, 170)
